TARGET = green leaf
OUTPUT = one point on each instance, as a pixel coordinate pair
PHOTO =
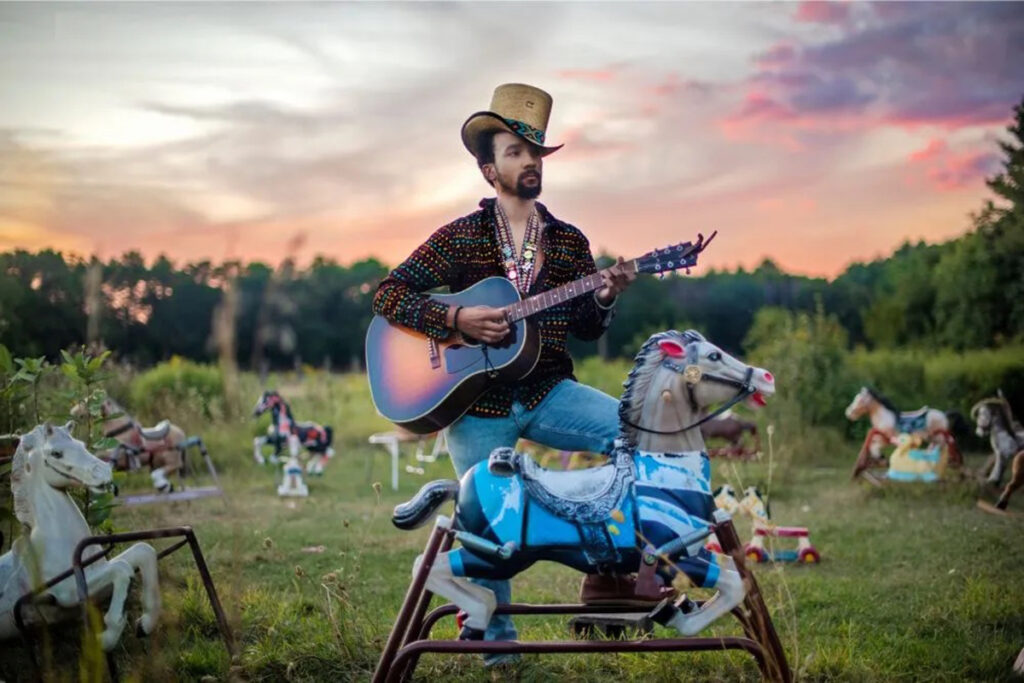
(104, 443)
(6, 361)
(104, 499)
(98, 515)
(67, 357)
(70, 371)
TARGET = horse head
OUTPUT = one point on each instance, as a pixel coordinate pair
(676, 374)
(754, 504)
(859, 405)
(108, 408)
(266, 401)
(52, 455)
(725, 499)
(988, 413)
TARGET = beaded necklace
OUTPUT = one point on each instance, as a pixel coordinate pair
(520, 269)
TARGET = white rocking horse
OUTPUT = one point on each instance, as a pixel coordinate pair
(48, 461)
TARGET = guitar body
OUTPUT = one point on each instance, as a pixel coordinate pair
(424, 385)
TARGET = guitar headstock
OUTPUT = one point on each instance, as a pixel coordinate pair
(673, 257)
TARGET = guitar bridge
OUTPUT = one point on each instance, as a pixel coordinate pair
(435, 354)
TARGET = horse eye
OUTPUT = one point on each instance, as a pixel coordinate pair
(715, 356)
(57, 454)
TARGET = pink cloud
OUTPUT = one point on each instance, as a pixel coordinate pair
(817, 12)
(922, 65)
(949, 170)
(934, 148)
(776, 55)
(602, 75)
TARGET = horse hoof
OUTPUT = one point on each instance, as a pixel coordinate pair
(109, 638)
(144, 626)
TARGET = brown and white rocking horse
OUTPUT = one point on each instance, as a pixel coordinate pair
(888, 422)
(161, 447)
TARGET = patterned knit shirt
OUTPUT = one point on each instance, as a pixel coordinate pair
(466, 251)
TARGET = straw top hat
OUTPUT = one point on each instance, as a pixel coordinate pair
(519, 109)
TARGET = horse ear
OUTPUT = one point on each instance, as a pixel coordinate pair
(671, 348)
(69, 426)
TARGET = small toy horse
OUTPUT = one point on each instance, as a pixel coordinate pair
(47, 462)
(994, 419)
(913, 460)
(284, 429)
(731, 428)
(888, 422)
(650, 509)
(161, 447)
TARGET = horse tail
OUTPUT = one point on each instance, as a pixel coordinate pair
(958, 424)
(329, 439)
(414, 513)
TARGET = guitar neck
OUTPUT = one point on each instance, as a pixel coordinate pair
(540, 302)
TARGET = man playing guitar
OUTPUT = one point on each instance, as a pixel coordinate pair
(514, 236)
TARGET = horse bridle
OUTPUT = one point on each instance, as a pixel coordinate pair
(744, 389)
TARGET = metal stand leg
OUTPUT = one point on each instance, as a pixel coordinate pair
(758, 621)
(409, 605)
(412, 631)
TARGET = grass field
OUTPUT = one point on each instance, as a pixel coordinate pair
(916, 583)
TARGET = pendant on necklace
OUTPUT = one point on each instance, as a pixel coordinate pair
(528, 253)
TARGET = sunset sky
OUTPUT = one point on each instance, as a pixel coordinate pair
(815, 134)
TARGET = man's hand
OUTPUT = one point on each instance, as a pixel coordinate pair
(616, 279)
(482, 323)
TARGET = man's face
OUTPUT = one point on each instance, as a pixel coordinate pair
(518, 166)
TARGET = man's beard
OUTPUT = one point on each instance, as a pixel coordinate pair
(522, 190)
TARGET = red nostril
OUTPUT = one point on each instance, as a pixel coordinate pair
(768, 376)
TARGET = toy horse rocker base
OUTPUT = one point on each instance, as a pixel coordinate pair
(648, 511)
(292, 485)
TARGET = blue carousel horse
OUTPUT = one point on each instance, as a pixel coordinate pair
(651, 505)
(284, 430)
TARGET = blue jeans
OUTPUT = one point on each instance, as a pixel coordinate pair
(572, 417)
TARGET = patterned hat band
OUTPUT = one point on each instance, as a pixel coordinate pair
(525, 130)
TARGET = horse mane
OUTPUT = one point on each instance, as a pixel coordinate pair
(881, 398)
(1003, 411)
(647, 361)
(22, 509)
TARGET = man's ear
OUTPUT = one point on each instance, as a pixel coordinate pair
(490, 173)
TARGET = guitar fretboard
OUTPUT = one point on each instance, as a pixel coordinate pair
(553, 297)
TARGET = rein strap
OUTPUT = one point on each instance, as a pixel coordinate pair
(745, 389)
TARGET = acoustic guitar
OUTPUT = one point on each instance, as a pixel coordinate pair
(423, 385)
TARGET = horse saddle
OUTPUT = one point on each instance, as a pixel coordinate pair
(913, 421)
(582, 496)
(586, 498)
(158, 432)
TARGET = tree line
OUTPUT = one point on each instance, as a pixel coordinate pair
(965, 293)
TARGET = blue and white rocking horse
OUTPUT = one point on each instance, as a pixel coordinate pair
(284, 430)
(652, 505)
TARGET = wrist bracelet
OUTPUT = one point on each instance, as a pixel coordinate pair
(455, 319)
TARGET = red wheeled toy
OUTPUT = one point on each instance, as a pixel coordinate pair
(804, 552)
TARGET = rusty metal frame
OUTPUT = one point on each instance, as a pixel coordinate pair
(410, 637)
(78, 565)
